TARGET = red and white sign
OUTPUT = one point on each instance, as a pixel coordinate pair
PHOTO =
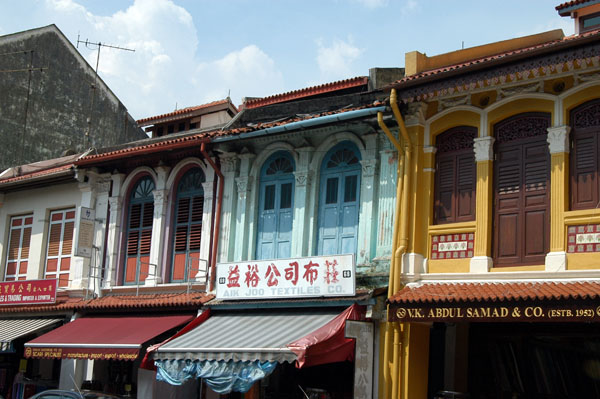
(316, 276)
(28, 292)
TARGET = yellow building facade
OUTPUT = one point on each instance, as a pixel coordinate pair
(497, 262)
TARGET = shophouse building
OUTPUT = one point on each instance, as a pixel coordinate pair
(494, 284)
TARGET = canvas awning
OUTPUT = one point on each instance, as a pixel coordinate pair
(118, 338)
(274, 335)
(11, 329)
(232, 350)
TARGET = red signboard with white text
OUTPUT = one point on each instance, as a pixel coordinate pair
(316, 276)
(28, 292)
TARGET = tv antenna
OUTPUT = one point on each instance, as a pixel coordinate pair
(95, 46)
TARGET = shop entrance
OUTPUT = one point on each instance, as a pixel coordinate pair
(515, 360)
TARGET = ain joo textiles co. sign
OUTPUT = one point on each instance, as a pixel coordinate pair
(315, 276)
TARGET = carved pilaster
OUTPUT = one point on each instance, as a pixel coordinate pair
(208, 189)
(484, 148)
(558, 139)
(160, 198)
(369, 167)
(115, 203)
(415, 114)
(303, 178)
(243, 186)
(229, 163)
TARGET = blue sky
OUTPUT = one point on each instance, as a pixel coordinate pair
(189, 52)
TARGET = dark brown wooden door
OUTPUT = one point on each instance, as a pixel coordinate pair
(522, 191)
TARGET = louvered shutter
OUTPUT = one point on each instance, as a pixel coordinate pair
(465, 177)
(455, 176)
(139, 232)
(445, 187)
(584, 169)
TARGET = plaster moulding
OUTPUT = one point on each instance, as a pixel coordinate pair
(558, 139)
(484, 148)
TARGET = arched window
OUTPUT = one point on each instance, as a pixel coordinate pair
(275, 214)
(188, 226)
(522, 190)
(585, 124)
(455, 175)
(139, 231)
(339, 201)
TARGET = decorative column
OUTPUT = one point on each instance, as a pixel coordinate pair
(207, 228)
(413, 262)
(243, 219)
(387, 182)
(558, 144)
(303, 181)
(229, 164)
(366, 229)
(115, 202)
(157, 243)
(482, 262)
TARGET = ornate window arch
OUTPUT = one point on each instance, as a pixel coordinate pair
(187, 225)
(140, 219)
(275, 209)
(585, 139)
(455, 175)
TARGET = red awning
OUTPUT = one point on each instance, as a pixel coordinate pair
(117, 338)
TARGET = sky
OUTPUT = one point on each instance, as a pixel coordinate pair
(191, 52)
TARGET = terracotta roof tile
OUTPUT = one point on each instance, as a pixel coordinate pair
(180, 112)
(45, 172)
(496, 292)
(205, 136)
(144, 148)
(446, 69)
(571, 3)
(307, 92)
(115, 302)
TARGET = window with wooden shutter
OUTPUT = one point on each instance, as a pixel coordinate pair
(521, 195)
(18, 248)
(139, 231)
(187, 235)
(584, 167)
(455, 175)
(60, 245)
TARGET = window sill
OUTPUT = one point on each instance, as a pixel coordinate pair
(451, 228)
(585, 216)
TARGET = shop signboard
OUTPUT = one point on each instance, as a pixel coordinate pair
(28, 292)
(494, 312)
(316, 276)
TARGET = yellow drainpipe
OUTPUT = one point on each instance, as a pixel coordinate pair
(400, 241)
(391, 329)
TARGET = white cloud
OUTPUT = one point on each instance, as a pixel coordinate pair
(248, 72)
(335, 61)
(165, 70)
(373, 3)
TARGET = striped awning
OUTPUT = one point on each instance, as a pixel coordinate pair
(247, 336)
(11, 329)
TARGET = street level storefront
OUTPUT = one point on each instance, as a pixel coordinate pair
(278, 328)
(232, 350)
(504, 339)
(111, 340)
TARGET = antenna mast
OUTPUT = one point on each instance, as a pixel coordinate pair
(95, 46)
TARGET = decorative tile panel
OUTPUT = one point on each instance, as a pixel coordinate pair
(452, 246)
(581, 239)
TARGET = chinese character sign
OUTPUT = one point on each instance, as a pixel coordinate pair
(28, 292)
(317, 276)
